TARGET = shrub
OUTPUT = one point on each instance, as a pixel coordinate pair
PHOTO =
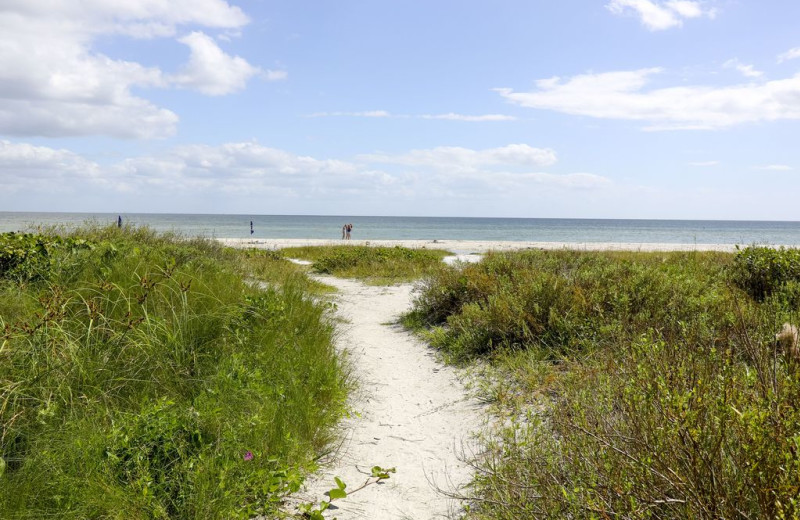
(570, 301)
(762, 271)
(665, 394)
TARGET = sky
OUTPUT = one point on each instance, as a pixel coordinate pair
(665, 109)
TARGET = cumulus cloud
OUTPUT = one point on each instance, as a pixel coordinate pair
(54, 83)
(27, 167)
(509, 169)
(24, 160)
(746, 70)
(791, 54)
(251, 170)
(622, 95)
(247, 168)
(658, 16)
(212, 71)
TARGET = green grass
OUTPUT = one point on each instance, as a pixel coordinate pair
(374, 265)
(633, 385)
(144, 376)
(272, 267)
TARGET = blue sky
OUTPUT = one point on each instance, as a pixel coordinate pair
(600, 109)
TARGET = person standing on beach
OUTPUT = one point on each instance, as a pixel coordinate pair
(349, 228)
(119, 221)
(251, 227)
(344, 231)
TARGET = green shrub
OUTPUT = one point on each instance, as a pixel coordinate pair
(762, 271)
(570, 301)
(24, 256)
(655, 431)
(665, 395)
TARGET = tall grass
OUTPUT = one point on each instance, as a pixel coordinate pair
(375, 265)
(141, 376)
(655, 387)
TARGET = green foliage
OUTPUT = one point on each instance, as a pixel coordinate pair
(272, 267)
(24, 256)
(565, 301)
(312, 512)
(142, 377)
(665, 396)
(378, 265)
(763, 271)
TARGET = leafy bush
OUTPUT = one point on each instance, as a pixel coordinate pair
(762, 271)
(569, 301)
(652, 387)
(25, 256)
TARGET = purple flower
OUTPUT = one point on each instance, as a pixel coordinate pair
(248, 455)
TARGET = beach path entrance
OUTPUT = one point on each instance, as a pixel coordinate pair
(410, 412)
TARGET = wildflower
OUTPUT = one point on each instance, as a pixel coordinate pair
(248, 455)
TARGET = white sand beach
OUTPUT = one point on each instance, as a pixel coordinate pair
(474, 246)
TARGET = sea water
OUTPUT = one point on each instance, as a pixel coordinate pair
(432, 228)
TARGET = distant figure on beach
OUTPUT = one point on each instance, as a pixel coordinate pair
(348, 229)
(344, 231)
(251, 227)
(119, 221)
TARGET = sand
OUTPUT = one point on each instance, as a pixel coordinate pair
(464, 247)
(410, 412)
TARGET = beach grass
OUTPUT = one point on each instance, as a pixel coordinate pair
(630, 385)
(372, 264)
(147, 376)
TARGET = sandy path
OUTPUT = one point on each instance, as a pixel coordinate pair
(413, 414)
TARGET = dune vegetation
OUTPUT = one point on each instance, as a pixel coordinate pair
(628, 385)
(373, 265)
(150, 376)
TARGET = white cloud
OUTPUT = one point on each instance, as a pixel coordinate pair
(250, 168)
(791, 54)
(746, 70)
(453, 158)
(274, 75)
(622, 95)
(704, 163)
(54, 83)
(211, 71)
(25, 168)
(775, 168)
(247, 168)
(466, 172)
(23, 159)
(658, 16)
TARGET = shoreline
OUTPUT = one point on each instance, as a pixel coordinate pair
(475, 246)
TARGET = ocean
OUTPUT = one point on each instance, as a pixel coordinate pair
(430, 228)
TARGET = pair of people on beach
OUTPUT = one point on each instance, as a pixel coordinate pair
(346, 229)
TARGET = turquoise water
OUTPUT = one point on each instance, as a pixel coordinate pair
(442, 228)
